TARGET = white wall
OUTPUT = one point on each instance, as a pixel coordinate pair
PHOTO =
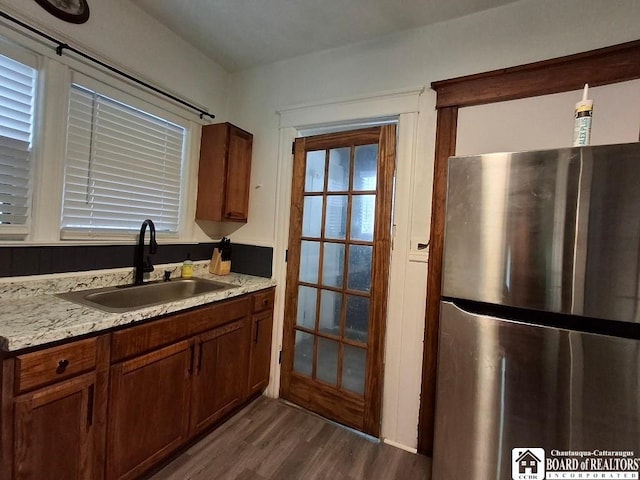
(547, 121)
(121, 34)
(526, 31)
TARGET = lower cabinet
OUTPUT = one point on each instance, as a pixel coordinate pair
(165, 396)
(53, 431)
(260, 352)
(148, 409)
(220, 374)
(115, 405)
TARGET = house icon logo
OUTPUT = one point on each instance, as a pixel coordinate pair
(527, 464)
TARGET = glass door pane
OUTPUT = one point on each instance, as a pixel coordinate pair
(336, 254)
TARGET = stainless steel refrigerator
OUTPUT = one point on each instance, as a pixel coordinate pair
(539, 341)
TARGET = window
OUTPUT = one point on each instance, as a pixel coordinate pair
(17, 91)
(123, 165)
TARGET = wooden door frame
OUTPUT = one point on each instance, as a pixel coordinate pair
(603, 66)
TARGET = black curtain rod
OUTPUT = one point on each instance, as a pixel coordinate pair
(61, 46)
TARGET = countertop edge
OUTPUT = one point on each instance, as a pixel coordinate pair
(39, 320)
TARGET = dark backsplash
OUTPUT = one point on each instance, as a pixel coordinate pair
(19, 261)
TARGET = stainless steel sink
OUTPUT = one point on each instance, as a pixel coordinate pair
(131, 297)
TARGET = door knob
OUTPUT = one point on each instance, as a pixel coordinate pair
(62, 366)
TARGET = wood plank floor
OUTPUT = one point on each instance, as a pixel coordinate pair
(269, 439)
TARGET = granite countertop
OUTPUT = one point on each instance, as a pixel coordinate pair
(32, 315)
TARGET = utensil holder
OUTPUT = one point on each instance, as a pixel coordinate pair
(219, 266)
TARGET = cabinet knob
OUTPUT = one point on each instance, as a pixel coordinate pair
(265, 302)
(62, 366)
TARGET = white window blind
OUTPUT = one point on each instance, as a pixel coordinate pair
(123, 165)
(17, 91)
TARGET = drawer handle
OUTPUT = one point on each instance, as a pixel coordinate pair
(265, 302)
(62, 366)
(255, 339)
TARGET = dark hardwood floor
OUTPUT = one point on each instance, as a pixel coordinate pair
(269, 439)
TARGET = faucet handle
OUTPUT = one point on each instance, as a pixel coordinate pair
(167, 275)
(153, 245)
(148, 266)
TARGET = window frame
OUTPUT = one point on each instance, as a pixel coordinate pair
(30, 59)
(126, 98)
(49, 146)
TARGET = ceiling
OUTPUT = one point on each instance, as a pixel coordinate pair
(240, 34)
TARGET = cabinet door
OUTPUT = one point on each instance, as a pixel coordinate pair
(220, 373)
(148, 410)
(53, 431)
(224, 173)
(260, 353)
(236, 206)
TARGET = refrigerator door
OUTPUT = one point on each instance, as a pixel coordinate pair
(503, 385)
(554, 230)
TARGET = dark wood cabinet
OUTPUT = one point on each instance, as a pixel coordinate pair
(114, 405)
(148, 409)
(260, 349)
(53, 412)
(179, 376)
(220, 374)
(260, 356)
(224, 173)
(53, 431)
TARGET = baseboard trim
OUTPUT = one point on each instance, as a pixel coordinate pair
(400, 446)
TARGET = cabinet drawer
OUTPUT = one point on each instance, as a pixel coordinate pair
(263, 300)
(143, 338)
(53, 364)
(158, 333)
(221, 313)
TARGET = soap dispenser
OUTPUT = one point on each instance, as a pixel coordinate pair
(187, 268)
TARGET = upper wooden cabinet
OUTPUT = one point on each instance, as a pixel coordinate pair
(224, 173)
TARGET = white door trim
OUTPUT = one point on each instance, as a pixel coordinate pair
(349, 109)
(404, 105)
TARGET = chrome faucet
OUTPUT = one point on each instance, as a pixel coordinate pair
(142, 264)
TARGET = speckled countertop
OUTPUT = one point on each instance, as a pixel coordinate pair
(31, 314)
